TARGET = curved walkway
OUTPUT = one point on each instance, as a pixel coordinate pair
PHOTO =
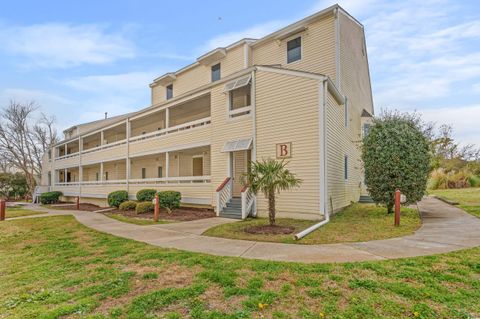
(445, 228)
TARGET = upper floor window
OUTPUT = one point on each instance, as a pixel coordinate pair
(240, 97)
(144, 173)
(294, 50)
(169, 89)
(216, 72)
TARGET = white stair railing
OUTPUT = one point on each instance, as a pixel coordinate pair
(224, 194)
(248, 202)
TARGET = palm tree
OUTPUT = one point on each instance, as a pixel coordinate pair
(270, 177)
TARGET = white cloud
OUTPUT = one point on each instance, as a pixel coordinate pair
(464, 120)
(116, 83)
(65, 45)
(43, 98)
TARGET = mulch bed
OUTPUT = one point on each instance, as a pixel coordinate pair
(83, 206)
(270, 230)
(180, 214)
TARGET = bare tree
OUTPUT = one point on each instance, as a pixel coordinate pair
(24, 139)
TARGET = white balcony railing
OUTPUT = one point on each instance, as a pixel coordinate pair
(148, 181)
(170, 130)
(173, 129)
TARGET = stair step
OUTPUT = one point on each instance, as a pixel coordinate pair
(232, 216)
(365, 199)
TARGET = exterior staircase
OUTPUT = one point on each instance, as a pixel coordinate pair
(365, 199)
(233, 209)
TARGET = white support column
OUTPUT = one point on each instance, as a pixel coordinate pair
(167, 164)
(101, 171)
(65, 175)
(80, 174)
(167, 117)
(128, 132)
(66, 148)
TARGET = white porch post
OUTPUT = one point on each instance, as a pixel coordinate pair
(65, 175)
(167, 164)
(80, 174)
(127, 159)
(101, 171)
(167, 117)
(66, 148)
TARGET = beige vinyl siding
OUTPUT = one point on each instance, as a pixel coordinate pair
(223, 130)
(116, 170)
(199, 75)
(342, 141)
(354, 73)
(67, 162)
(318, 49)
(180, 139)
(287, 111)
(199, 191)
(111, 153)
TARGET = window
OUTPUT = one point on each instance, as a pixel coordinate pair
(144, 173)
(346, 112)
(160, 172)
(169, 91)
(366, 129)
(345, 167)
(106, 176)
(198, 166)
(96, 176)
(216, 72)
(240, 97)
(294, 50)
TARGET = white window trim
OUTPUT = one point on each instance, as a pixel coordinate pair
(302, 44)
(247, 108)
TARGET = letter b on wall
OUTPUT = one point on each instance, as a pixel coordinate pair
(284, 150)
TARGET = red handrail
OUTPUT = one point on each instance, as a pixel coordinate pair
(222, 185)
(244, 188)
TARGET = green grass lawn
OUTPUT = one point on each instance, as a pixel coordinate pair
(136, 221)
(12, 212)
(55, 267)
(468, 198)
(358, 222)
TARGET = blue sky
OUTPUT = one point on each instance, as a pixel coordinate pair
(79, 59)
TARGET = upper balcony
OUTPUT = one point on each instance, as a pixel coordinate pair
(167, 127)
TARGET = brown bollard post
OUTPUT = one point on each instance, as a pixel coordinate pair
(157, 209)
(397, 208)
(78, 202)
(2, 209)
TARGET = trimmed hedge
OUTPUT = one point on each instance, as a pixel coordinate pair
(50, 197)
(128, 205)
(144, 207)
(116, 198)
(146, 195)
(169, 200)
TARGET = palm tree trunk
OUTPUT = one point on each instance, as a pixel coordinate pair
(271, 207)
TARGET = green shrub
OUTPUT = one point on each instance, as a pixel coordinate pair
(474, 181)
(146, 195)
(144, 207)
(117, 197)
(128, 205)
(50, 197)
(169, 200)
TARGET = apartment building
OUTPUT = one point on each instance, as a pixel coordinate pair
(301, 94)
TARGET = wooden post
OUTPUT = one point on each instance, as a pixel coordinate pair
(78, 202)
(157, 208)
(397, 208)
(2, 209)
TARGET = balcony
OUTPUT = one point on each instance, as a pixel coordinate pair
(162, 129)
(187, 171)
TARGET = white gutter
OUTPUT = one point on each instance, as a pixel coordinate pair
(322, 122)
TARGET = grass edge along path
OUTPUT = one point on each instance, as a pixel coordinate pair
(355, 223)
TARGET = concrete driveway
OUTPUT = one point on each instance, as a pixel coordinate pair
(445, 228)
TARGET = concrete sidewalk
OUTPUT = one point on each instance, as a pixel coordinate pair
(445, 228)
